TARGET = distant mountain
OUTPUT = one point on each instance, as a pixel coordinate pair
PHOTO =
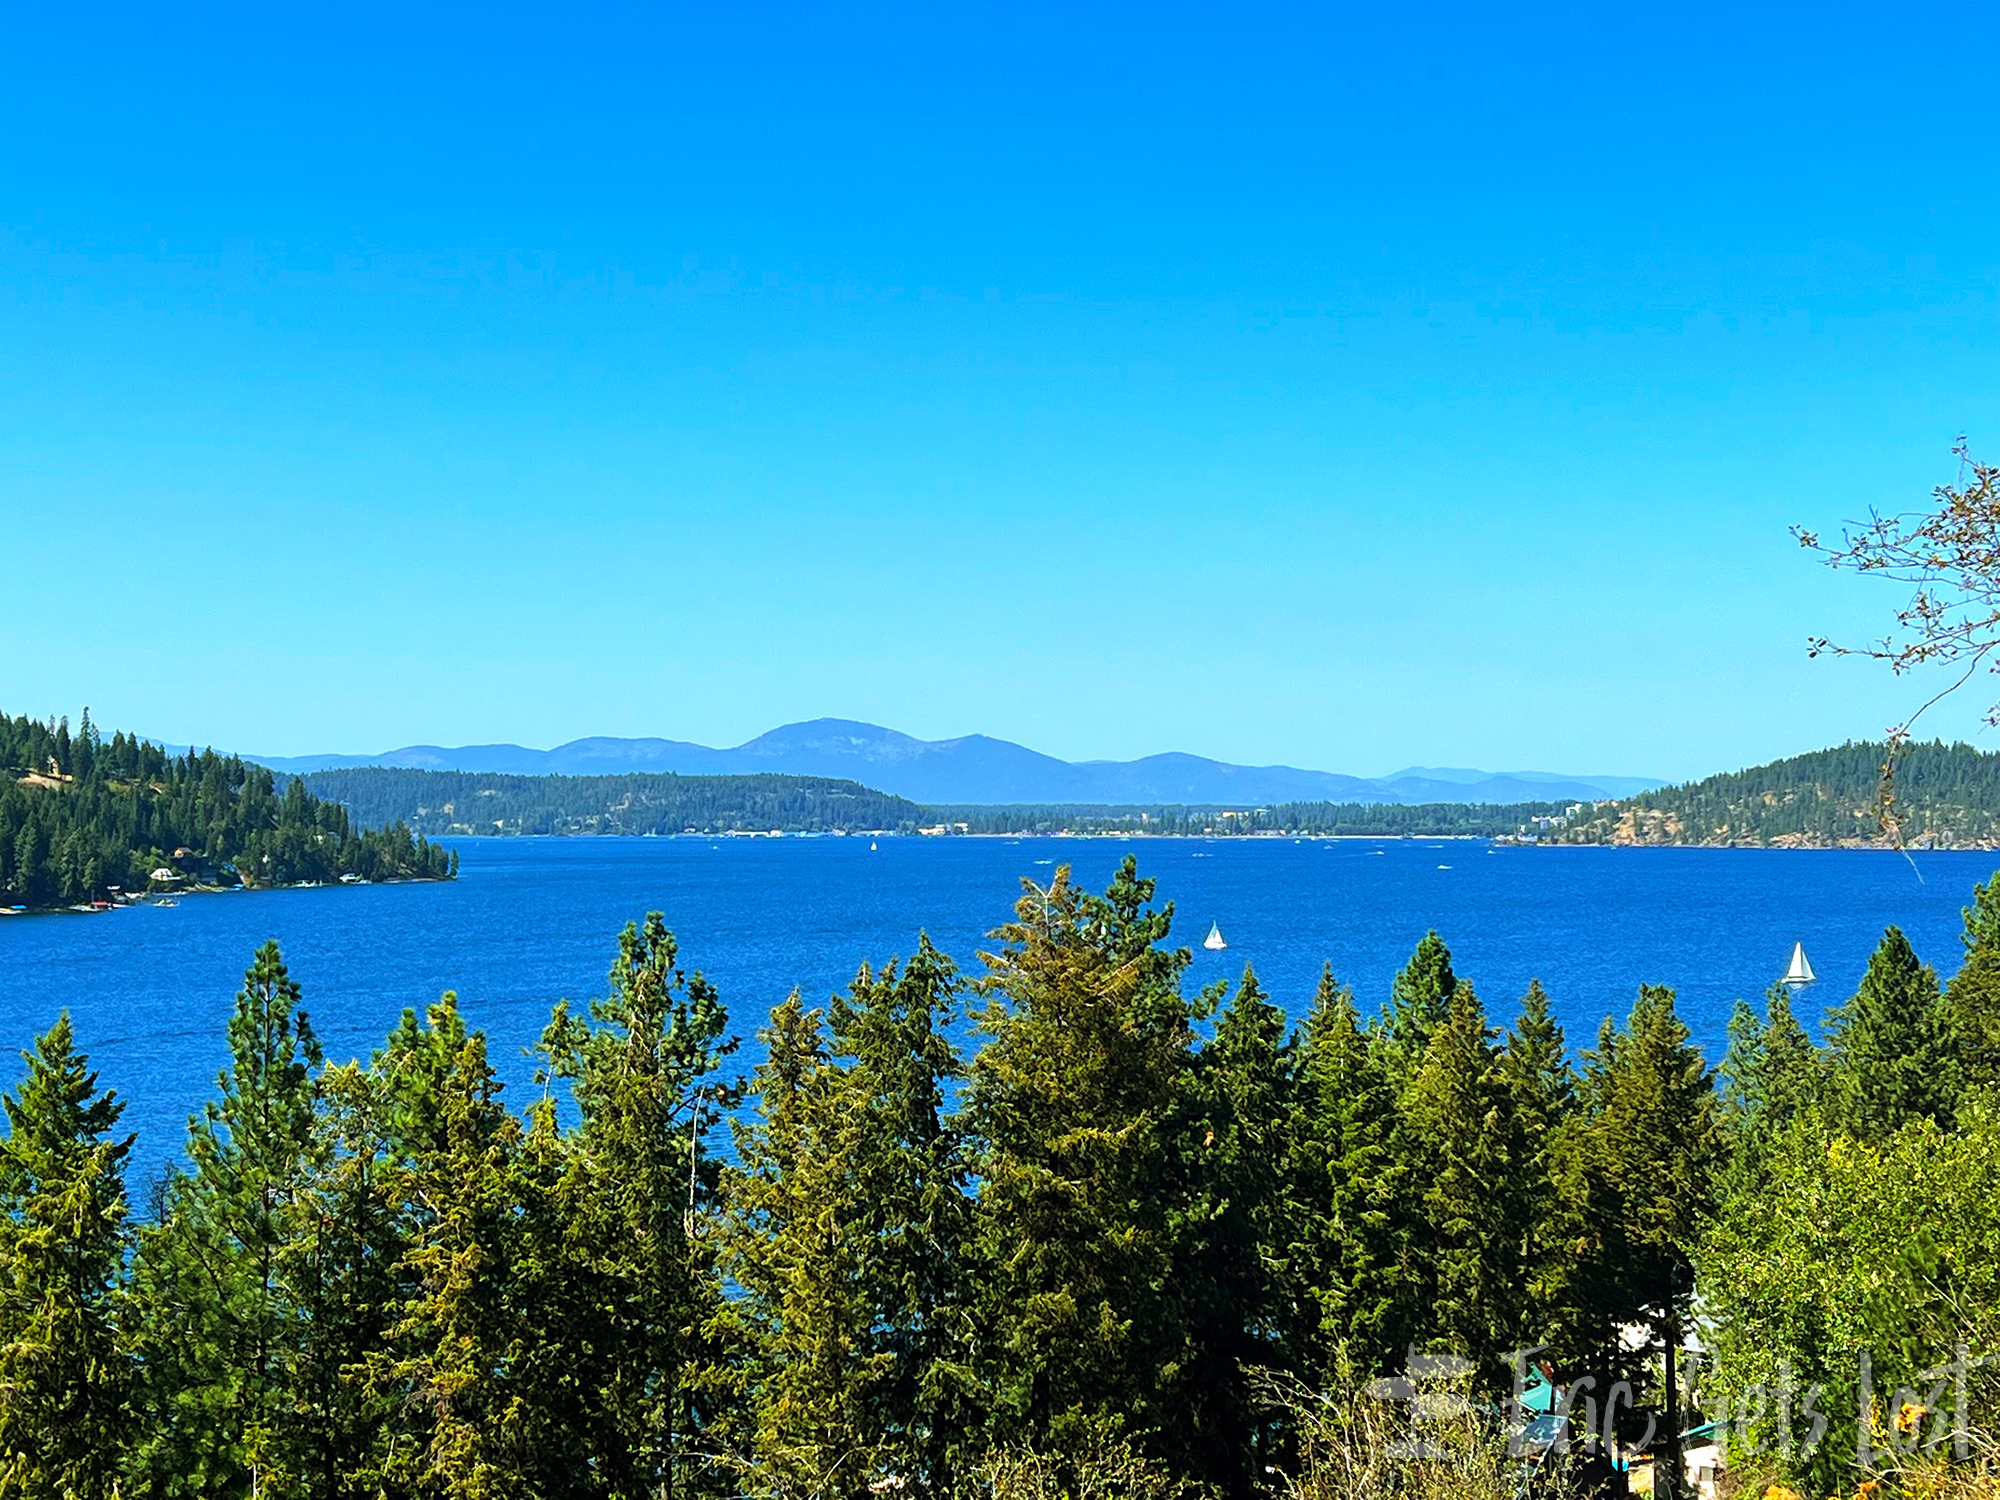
(1550, 785)
(979, 770)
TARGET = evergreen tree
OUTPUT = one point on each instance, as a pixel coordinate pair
(1542, 1086)
(65, 1380)
(222, 1330)
(1419, 1000)
(465, 1429)
(910, 1170)
(1468, 1147)
(847, 1223)
(1074, 1095)
(1346, 1233)
(347, 1267)
(795, 1246)
(1229, 1293)
(1650, 1153)
(638, 1174)
(1894, 1058)
(1771, 1076)
(1972, 999)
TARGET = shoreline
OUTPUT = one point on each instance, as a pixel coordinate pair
(1499, 840)
(156, 898)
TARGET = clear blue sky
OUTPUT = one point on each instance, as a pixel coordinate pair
(1345, 387)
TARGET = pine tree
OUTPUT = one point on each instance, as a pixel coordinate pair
(467, 1430)
(1468, 1147)
(911, 1168)
(638, 1172)
(1650, 1151)
(1771, 1076)
(1239, 1112)
(1972, 999)
(1419, 1001)
(347, 1267)
(795, 1246)
(1346, 1235)
(1894, 1058)
(1087, 1064)
(1535, 1066)
(65, 1381)
(221, 1333)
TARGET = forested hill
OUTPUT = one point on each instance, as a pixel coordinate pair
(1944, 796)
(460, 802)
(82, 817)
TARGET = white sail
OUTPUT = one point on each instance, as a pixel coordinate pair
(1214, 938)
(1800, 972)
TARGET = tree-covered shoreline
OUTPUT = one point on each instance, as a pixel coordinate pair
(83, 819)
(1943, 796)
(1936, 795)
(470, 804)
(1141, 1241)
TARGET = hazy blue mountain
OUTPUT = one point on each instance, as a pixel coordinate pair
(980, 769)
(1552, 784)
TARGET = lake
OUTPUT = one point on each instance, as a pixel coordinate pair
(532, 920)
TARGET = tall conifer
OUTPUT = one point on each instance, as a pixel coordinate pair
(1771, 1076)
(1542, 1085)
(1227, 1279)
(65, 1379)
(1347, 1227)
(346, 1267)
(793, 1244)
(222, 1323)
(1419, 1000)
(1972, 999)
(638, 1172)
(1461, 1115)
(1074, 1096)
(469, 1421)
(910, 1170)
(1894, 1057)
(1651, 1151)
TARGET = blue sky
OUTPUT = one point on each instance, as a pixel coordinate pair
(1343, 387)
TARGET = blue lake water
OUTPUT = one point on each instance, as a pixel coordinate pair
(533, 920)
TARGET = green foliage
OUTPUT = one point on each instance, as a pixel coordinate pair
(1074, 1097)
(848, 1226)
(1115, 1253)
(1347, 1228)
(1647, 1152)
(1942, 794)
(1894, 1055)
(1542, 1092)
(1771, 1076)
(1468, 1152)
(1888, 1248)
(1232, 1304)
(224, 1319)
(65, 1377)
(464, 802)
(1419, 1000)
(1972, 999)
(81, 817)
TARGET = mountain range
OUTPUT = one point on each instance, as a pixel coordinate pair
(977, 769)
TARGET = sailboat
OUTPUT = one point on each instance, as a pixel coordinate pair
(1800, 973)
(1214, 940)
